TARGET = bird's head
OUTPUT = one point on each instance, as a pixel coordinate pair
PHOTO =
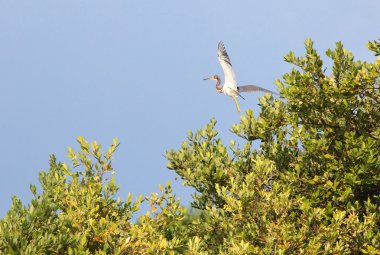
(214, 77)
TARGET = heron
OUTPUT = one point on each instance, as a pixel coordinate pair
(230, 87)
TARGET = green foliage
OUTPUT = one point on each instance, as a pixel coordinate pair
(311, 187)
(77, 212)
(375, 47)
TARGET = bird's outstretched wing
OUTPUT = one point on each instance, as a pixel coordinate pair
(253, 88)
(225, 62)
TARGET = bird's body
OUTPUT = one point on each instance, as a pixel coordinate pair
(230, 87)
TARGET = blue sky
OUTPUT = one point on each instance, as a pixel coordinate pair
(134, 70)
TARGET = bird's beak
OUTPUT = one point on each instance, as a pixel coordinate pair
(209, 78)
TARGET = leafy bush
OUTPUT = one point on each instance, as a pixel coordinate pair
(311, 187)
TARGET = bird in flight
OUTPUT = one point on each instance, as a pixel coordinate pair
(230, 87)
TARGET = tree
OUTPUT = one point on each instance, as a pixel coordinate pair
(312, 187)
(77, 212)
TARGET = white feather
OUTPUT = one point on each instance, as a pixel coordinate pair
(230, 84)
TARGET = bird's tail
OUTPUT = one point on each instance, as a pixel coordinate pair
(240, 95)
(236, 92)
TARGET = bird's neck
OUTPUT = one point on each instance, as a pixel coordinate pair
(219, 88)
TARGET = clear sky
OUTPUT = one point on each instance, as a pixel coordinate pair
(134, 70)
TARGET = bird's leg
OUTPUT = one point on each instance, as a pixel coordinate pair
(236, 103)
